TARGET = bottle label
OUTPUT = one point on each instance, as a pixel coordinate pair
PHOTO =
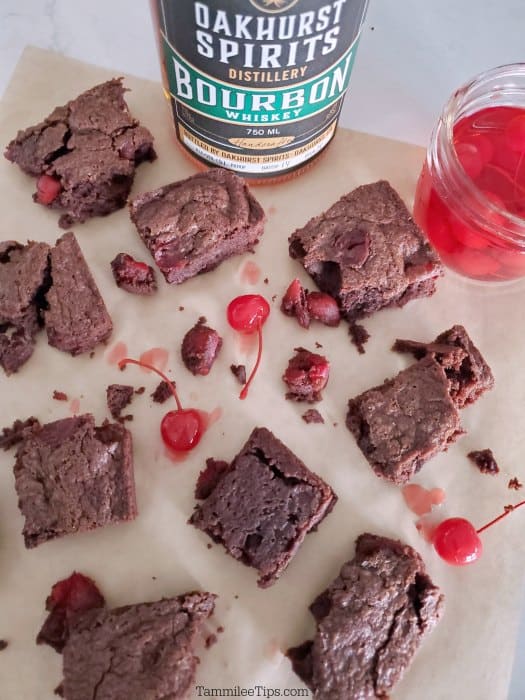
(256, 86)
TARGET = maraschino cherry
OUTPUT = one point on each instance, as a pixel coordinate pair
(47, 189)
(182, 429)
(458, 542)
(247, 314)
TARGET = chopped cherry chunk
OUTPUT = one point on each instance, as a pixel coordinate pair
(47, 189)
(294, 303)
(306, 376)
(322, 307)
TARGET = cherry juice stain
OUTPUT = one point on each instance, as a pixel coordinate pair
(426, 526)
(117, 353)
(155, 356)
(246, 344)
(421, 500)
(74, 407)
(250, 273)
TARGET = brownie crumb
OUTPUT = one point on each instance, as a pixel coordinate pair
(306, 376)
(133, 276)
(359, 336)
(60, 396)
(239, 372)
(59, 690)
(16, 433)
(211, 639)
(515, 484)
(220, 629)
(312, 415)
(140, 390)
(200, 347)
(125, 419)
(318, 345)
(265, 280)
(209, 545)
(118, 396)
(3, 644)
(91, 356)
(484, 461)
(162, 392)
(181, 308)
(274, 297)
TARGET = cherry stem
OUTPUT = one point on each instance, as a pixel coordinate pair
(244, 392)
(508, 510)
(145, 365)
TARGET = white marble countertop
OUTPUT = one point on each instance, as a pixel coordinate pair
(412, 55)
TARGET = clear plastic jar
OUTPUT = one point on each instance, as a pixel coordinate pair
(470, 198)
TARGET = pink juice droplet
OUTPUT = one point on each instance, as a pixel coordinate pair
(155, 356)
(117, 353)
(250, 273)
(421, 500)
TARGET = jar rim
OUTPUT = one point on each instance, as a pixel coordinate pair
(510, 227)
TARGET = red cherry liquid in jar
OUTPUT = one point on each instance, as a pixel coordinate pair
(470, 198)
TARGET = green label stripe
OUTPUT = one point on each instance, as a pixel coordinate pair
(238, 105)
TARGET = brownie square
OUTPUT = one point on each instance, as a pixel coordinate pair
(89, 149)
(367, 252)
(96, 489)
(370, 622)
(262, 505)
(191, 226)
(76, 319)
(402, 423)
(23, 276)
(136, 652)
(467, 371)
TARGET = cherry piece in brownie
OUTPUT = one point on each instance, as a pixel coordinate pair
(370, 623)
(367, 252)
(467, 371)
(261, 507)
(200, 347)
(76, 318)
(133, 276)
(306, 376)
(402, 423)
(23, 277)
(191, 226)
(84, 154)
(96, 489)
(137, 651)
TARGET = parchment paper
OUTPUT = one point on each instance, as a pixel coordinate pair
(469, 656)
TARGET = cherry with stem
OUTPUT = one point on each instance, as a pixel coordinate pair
(247, 314)
(458, 542)
(182, 429)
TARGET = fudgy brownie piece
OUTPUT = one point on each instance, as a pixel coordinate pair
(484, 461)
(96, 489)
(468, 373)
(306, 376)
(84, 153)
(23, 277)
(367, 252)
(118, 396)
(133, 276)
(402, 423)
(370, 623)
(200, 347)
(193, 225)
(137, 651)
(76, 318)
(261, 506)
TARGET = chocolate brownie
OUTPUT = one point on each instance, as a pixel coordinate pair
(136, 652)
(402, 423)
(118, 396)
(191, 226)
(133, 276)
(96, 489)
(23, 277)
(3, 644)
(76, 318)
(200, 347)
(306, 376)
(312, 415)
(239, 372)
(15, 434)
(370, 623)
(84, 153)
(367, 252)
(484, 461)
(162, 392)
(261, 507)
(468, 373)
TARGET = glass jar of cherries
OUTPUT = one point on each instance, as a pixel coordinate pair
(470, 198)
